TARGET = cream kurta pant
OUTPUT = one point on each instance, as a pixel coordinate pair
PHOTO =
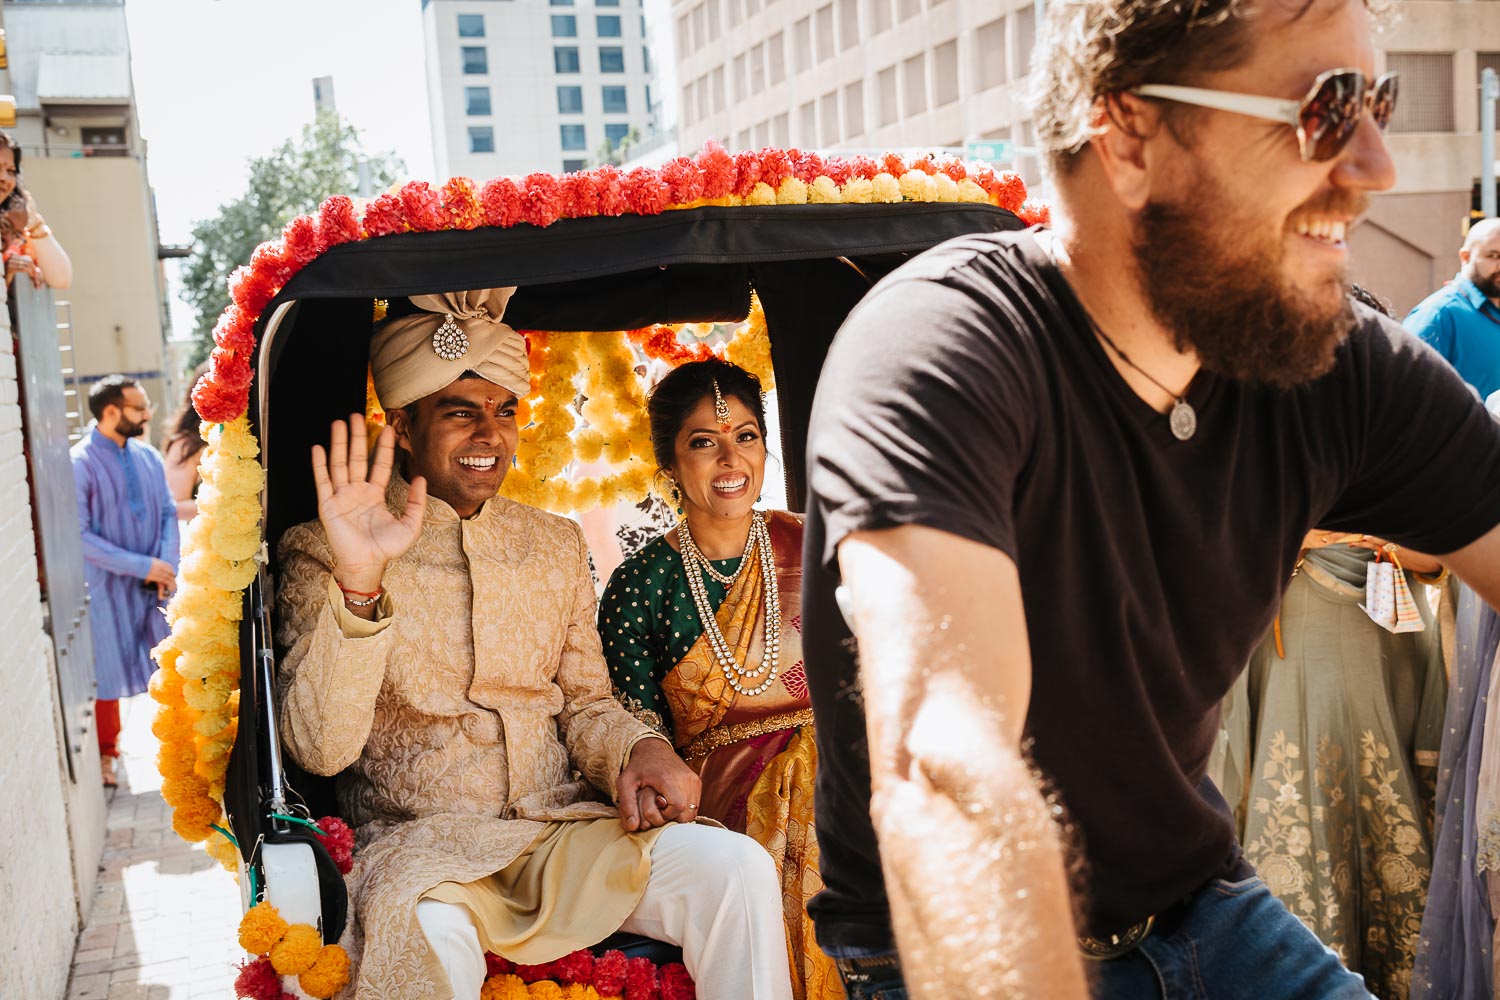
(712, 892)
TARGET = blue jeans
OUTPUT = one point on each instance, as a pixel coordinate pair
(874, 984)
(1234, 941)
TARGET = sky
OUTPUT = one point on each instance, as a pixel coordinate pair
(220, 81)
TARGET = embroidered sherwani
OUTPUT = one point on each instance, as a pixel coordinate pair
(474, 712)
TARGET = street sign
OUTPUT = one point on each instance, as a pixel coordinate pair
(992, 151)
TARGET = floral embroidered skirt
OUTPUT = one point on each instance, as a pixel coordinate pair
(1328, 757)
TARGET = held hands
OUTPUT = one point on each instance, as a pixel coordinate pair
(657, 788)
(363, 534)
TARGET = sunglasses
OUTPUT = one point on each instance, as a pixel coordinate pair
(1325, 119)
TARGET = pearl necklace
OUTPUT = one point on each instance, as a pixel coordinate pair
(693, 561)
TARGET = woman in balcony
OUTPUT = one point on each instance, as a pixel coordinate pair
(49, 261)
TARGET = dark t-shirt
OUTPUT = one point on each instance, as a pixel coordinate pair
(967, 393)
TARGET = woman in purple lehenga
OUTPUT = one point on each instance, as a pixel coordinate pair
(1455, 956)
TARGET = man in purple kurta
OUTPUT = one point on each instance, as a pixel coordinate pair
(129, 524)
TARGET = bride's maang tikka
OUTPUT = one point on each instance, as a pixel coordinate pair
(721, 408)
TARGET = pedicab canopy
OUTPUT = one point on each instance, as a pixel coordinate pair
(705, 255)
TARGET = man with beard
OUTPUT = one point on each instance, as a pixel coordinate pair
(1059, 480)
(1462, 319)
(129, 524)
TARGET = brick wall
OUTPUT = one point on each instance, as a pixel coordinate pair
(39, 915)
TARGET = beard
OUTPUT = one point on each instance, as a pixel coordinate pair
(1489, 286)
(1222, 294)
(129, 428)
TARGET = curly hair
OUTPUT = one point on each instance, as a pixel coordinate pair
(1090, 49)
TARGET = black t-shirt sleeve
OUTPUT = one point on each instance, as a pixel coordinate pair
(924, 414)
(1426, 472)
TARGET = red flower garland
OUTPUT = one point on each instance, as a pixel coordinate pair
(422, 207)
(270, 261)
(1035, 212)
(461, 202)
(809, 166)
(258, 980)
(337, 222)
(683, 179)
(863, 166)
(717, 167)
(640, 980)
(301, 241)
(645, 192)
(501, 200)
(339, 840)
(660, 343)
(747, 167)
(610, 974)
(540, 199)
(676, 984)
(612, 191)
(775, 166)
(580, 196)
(235, 330)
(383, 216)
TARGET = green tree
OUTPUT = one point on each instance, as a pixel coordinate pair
(616, 153)
(291, 181)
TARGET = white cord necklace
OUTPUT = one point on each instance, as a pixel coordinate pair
(759, 543)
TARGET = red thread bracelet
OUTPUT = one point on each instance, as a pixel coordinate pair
(357, 593)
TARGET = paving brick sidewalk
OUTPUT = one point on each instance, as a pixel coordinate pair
(165, 914)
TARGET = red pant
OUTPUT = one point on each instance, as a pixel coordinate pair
(108, 715)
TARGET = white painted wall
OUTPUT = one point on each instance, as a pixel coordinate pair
(40, 918)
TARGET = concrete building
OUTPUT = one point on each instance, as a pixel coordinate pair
(892, 74)
(84, 160)
(516, 86)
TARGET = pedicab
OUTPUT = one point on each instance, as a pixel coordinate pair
(763, 253)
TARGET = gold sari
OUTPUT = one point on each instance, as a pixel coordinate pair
(756, 754)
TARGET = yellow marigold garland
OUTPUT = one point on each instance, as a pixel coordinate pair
(196, 683)
(600, 367)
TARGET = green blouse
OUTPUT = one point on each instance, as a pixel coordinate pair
(648, 622)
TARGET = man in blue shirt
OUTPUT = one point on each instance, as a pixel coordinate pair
(1462, 319)
(129, 524)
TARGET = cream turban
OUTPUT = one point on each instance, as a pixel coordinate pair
(415, 356)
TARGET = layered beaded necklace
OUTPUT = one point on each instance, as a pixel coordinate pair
(696, 564)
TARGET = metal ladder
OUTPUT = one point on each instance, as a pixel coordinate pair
(73, 403)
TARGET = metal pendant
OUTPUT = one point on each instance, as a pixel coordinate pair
(1184, 420)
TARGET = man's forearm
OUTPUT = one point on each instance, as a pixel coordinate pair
(975, 870)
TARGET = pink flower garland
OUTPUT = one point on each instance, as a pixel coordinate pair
(539, 200)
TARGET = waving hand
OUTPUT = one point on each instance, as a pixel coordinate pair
(362, 532)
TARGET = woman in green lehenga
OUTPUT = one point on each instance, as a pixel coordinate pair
(1329, 759)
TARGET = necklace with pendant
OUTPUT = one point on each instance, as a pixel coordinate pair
(1183, 419)
(695, 563)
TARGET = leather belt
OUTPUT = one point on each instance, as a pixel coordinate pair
(1123, 943)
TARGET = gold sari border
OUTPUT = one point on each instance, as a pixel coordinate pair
(721, 736)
